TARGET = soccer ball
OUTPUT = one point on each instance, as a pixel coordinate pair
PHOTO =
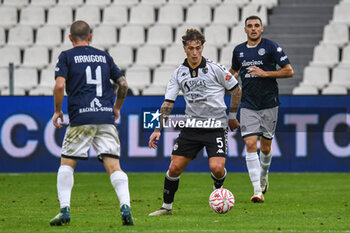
(221, 200)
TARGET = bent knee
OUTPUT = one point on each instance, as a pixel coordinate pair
(265, 150)
(218, 170)
(174, 171)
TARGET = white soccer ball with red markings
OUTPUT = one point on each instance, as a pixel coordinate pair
(221, 200)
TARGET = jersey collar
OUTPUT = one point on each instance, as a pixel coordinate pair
(194, 72)
(201, 65)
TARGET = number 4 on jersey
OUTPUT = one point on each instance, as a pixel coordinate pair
(97, 81)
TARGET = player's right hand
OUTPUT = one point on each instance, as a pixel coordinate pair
(233, 124)
(55, 117)
(152, 143)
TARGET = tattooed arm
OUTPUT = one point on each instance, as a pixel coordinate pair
(121, 95)
(165, 111)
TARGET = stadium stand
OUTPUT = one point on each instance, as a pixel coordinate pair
(49, 36)
(115, 16)
(61, 16)
(122, 55)
(145, 36)
(33, 16)
(2, 36)
(41, 55)
(8, 55)
(139, 78)
(8, 16)
(171, 14)
(160, 35)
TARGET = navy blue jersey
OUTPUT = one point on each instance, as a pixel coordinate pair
(88, 72)
(258, 93)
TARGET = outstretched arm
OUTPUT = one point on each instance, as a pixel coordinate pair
(235, 100)
(121, 95)
(165, 111)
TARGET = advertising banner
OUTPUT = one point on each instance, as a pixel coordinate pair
(312, 135)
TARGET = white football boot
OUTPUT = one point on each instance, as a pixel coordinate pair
(161, 211)
(258, 197)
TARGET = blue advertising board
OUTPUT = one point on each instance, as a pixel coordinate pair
(312, 135)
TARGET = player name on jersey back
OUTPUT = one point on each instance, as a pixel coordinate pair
(90, 58)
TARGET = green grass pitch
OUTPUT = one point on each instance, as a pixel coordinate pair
(295, 202)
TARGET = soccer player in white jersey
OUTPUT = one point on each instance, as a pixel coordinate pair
(203, 84)
(255, 62)
(86, 72)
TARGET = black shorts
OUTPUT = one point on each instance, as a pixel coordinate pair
(192, 140)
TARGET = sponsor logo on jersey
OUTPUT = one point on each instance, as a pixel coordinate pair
(252, 63)
(261, 52)
(228, 77)
(284, 58)
(194, 84)
(95, 102)
(95, 106)
(220, 151)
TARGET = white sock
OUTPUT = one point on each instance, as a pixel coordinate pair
(253, 165)
(168, 206)
(65, 182)
(265, 161)
(120, 183)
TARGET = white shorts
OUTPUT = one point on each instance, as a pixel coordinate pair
(259, 122)
(102, 137)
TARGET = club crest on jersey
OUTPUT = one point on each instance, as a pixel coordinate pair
(194, 73)
(261, 51)
(241, 54)
(176, 146)
(205, 70)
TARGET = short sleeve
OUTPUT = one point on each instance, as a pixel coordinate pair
(61, 68)
(173, 87)
(278, 54)
(235, 64)
(225, 78)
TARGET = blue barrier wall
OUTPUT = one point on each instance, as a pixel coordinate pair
(313, 134)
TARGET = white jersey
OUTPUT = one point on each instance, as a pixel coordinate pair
(203, 89)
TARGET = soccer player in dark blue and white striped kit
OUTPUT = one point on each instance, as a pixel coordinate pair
(255, 62)
(86, 73)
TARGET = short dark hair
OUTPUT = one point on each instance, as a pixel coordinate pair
(193, 34)
(252, 17)
(80, 31)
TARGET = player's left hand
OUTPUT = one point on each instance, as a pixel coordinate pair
(254, 70)
(117, 114)
(233, 124)
(152, 143)
(55, 117)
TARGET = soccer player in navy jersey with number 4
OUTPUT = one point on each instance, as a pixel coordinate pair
(255, 62)
(86, 73)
